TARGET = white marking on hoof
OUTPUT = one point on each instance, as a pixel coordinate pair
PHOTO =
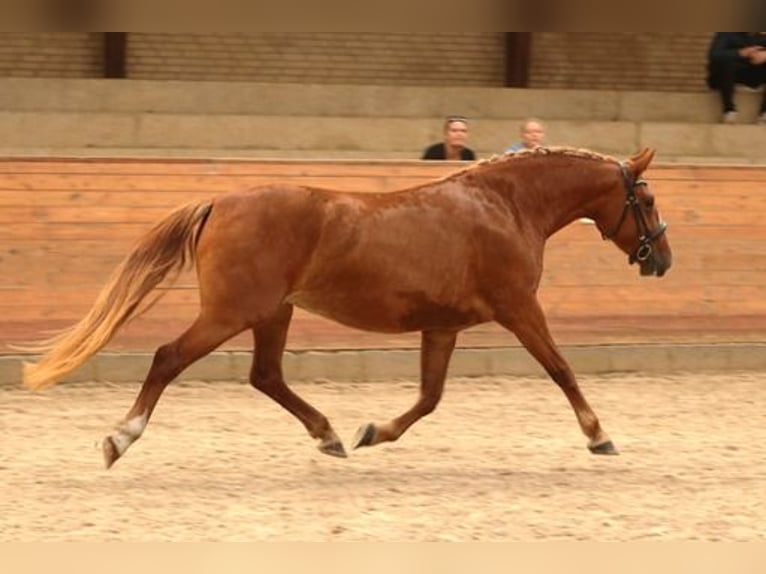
(128, 432)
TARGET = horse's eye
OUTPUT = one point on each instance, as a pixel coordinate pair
(649, 203)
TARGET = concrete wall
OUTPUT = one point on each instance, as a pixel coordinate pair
(593, 60)
(387, 364)
(620, 60)
(444, 58)
(50, 55)
(277, 120)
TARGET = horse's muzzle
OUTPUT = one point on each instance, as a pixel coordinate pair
(653, 265)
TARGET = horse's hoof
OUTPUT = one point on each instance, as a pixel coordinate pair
(604, 448)
(111, 454)
(333, 448)
(364, 436)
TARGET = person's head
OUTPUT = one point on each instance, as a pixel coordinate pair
(532, 133)
(456, 131)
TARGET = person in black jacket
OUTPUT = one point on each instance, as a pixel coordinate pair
(453, 147)
(737, 58)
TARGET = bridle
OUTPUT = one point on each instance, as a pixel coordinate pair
(645, 236)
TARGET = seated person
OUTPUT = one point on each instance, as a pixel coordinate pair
(532, 136)
(737, 58)
(453, 147)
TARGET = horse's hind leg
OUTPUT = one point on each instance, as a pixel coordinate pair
(266, 376)
(531, 329)
(202, 337)
(435, 352)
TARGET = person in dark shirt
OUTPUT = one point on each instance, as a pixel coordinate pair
(453, 147)
(737, 58)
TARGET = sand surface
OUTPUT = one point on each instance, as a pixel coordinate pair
(500, 459)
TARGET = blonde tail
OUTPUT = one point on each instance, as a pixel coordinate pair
(168, 247)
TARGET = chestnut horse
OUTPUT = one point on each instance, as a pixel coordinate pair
(437, 258)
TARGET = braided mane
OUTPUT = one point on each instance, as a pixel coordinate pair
(527, 153)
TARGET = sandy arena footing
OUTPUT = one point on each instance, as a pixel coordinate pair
(500, 459)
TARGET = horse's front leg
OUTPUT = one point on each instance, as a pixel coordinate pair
(436, 350)
(528, 322)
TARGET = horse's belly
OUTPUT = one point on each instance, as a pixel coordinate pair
(398, 314)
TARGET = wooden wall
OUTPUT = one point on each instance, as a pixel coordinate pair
(65, 224)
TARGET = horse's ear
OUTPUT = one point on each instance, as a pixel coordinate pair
(640, 161)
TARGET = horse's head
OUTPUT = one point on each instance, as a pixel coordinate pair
(633, 222)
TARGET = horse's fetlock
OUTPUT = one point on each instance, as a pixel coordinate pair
(429, 406)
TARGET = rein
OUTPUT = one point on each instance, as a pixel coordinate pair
(645, 237)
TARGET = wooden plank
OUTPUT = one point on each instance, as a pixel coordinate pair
(108, 181)
(737, 214)
(154, 183)
(740, 208)
(101, 198)
(67, 294)
(41, 274)
(733, 201)
(680, 296)
(688, 193)
(77, 215)
(565, 250)
(578, 236)
(186, 164)
(280, 170)
(231, 167)
(89, 231)
(700, 276)
(86, 261)
(241, 165)
(632, 299)
(720, 268)
(705, 172)
(312, 332)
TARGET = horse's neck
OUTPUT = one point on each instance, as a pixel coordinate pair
(560, 204)
(552, 196)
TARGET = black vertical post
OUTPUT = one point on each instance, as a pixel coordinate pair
(115, 50)
(518, 53)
